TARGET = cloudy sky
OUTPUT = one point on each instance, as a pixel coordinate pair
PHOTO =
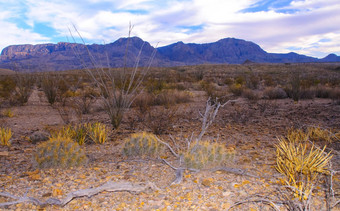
(310, 27)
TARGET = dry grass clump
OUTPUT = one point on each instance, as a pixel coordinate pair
(59, 152)
(250, 94)
(143, 145)
(206, 154)
(5, 136)
(84, 133)
(275, 93)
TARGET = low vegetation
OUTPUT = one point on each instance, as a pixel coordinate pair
(134, 127)
(59, 152)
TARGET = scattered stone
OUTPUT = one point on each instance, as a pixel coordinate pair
(206, 183)
(39, 136)
(4, 153)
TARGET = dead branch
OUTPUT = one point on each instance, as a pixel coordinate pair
(259, 200)
(169, 147)
(109, 187)
(209, 115)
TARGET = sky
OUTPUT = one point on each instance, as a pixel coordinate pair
(310, 27)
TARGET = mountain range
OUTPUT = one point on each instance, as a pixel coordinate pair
(67, 56)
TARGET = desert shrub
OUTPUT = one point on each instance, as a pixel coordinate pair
(268, 80)
(228, 81)
(54, 87)
(252, 82)
(159, 119)
(8, 113)
(274, 93)
(24, 85)
(301, 165)
(323, 91)
(155, 86)
(5, 136)
(206, 154)
(171, 97)
(83, 99)
(335, 95)
(250, 95)
(7, 87)
(241, 80)
(59, 152)
(143, 102)
(198, 74)
(142, 145)
(307, 93)
(97, 132)
(236, 89)
(293, 89)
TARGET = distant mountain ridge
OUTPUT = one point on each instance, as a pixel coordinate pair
(66, 56)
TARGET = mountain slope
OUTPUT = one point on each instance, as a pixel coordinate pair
(65, 56)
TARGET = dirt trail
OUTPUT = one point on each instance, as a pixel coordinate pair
(35, 115)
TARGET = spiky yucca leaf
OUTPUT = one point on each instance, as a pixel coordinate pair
(301, 166)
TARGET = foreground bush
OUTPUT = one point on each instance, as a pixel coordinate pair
(301, 163)
(142, 145)
(207, 155)
(59, 152)
(5, 136)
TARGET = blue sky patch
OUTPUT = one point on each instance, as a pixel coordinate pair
(267, 5)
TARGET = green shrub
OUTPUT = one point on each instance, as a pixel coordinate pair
(142, 145)
(59, 152)
(205, 155)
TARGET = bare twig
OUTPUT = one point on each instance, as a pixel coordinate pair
(109, 187)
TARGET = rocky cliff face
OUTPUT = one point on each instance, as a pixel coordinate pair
(65, 56)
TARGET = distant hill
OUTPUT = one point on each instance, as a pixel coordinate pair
(66, 56)
(6, 72)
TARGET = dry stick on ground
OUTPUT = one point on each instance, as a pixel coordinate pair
(257, 200)
(109, 187)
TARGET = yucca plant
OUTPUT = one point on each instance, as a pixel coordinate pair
(5, 136)
(142, 145)
(97, 132)
(301, 166)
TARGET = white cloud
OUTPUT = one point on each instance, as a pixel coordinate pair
(170, 20)
(12, 35)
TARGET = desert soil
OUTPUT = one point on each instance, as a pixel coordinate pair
(252, 128)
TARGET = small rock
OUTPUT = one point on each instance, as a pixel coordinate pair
(206, 182)
(4, 153)
(39, 136)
